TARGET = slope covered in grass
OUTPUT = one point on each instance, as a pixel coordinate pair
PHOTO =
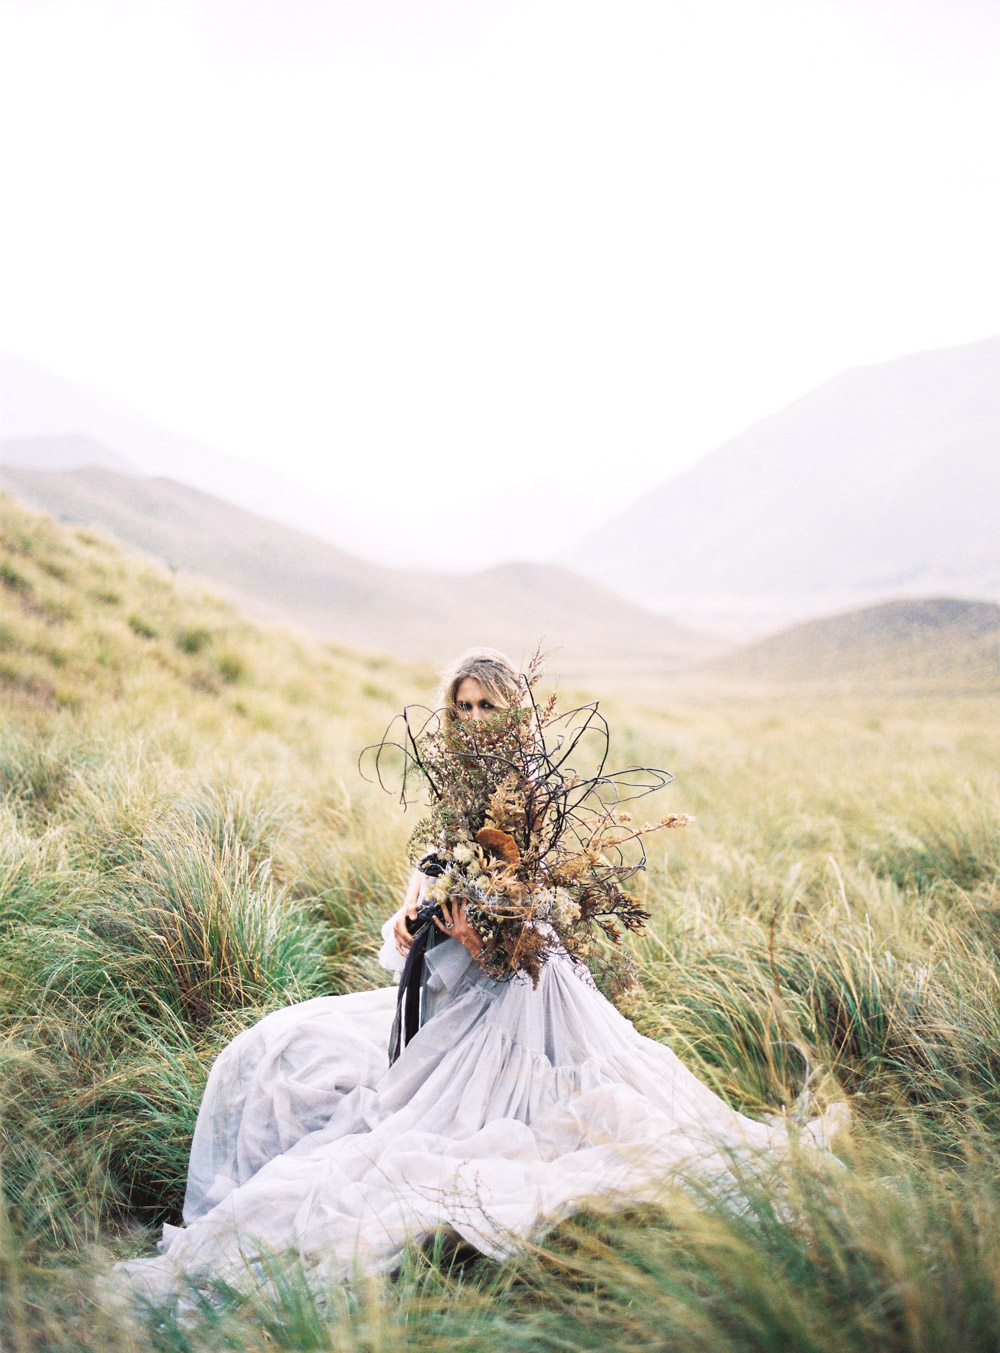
(82, 623)
(183, 847)
(934, 642)
(180, 828)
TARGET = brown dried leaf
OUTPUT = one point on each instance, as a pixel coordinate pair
(500, 844)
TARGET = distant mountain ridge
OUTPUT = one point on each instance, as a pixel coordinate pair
(883, 482)
(38, 406)
(40, 409)
(61, 452)
(281, 574)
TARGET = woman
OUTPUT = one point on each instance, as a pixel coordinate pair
(478, 684)
(513, 1105)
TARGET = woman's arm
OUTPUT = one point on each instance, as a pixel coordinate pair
(408, 910)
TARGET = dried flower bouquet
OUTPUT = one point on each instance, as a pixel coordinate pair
(538, 851)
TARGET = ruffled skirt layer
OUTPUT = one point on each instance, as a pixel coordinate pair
(512, 1108)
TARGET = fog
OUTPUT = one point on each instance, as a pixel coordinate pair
(522, 261)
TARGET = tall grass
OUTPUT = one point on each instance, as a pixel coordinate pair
(185, 844)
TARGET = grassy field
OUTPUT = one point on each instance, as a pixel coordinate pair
(186, 844)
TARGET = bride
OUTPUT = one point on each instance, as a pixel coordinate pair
(511, 1106)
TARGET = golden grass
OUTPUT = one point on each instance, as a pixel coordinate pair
(185, 843)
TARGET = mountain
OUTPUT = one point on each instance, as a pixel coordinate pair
(941, 641)
(883, 482)
(280, 574)
(66, 452)
(39, 409)
(38, 406)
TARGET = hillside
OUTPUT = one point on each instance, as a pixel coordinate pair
(941, 641)
(883, 482)
(86, 628)
(186, 846)
(280, 574)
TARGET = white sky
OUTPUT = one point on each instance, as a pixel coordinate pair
(405, 248)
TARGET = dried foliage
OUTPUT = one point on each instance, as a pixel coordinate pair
(537, 849)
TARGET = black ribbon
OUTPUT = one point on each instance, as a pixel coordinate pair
(411, 985)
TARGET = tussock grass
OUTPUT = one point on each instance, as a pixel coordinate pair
(185, 845)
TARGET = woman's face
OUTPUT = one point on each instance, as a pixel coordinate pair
(471, 700)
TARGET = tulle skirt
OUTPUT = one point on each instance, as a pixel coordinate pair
(511, 1108)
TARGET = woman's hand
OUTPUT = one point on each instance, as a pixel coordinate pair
(408, 910)
(456, 927)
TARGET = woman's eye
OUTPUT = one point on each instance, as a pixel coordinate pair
(486, 705)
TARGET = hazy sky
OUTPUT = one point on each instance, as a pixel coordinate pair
(425, 249)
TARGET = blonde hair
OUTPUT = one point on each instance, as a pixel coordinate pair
(501, 682)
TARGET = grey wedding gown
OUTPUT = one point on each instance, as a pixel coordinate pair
(510, 1109)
